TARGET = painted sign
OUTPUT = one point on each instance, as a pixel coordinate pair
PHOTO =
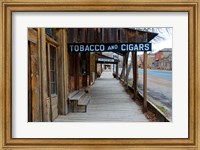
(105, 60)
(106, 47)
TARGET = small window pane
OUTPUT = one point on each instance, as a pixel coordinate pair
(53, 69)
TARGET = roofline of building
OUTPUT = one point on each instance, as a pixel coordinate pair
(152, 34)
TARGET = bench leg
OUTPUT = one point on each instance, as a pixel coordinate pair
(74, 106)
(71, 106)
(85, 108)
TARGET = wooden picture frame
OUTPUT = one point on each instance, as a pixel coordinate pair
(9, 6)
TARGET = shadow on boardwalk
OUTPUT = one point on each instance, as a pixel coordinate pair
(109, 103)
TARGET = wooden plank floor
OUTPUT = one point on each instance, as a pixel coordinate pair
(109, 103)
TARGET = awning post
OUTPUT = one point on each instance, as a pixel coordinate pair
(145, 79)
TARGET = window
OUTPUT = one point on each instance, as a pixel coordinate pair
(50, 32)
(53, 69)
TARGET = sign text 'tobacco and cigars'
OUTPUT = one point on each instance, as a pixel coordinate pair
(106, 47)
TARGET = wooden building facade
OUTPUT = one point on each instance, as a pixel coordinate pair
(54, 72)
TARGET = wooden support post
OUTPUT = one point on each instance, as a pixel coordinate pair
(126, 78)
(83, 74)
(66, 71)
(39, 41)
(127, 72)
(135, 74)
(44, 76)
(101, 68)
(123, 68)
(60, 36)
(133, 68)
(49, 87)
(145, 81)
(136, 77)
(88, 67)
(117, 71)
(77, 71)
(95, 69)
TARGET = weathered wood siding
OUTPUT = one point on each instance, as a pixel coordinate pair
(34, 83)
(62, 72)
(66, 71)
(42, 105)
(71, 79)
(44, 80)
(47, 111)
(104, 35)
(54, 105)
(32, 35)
(92, 63)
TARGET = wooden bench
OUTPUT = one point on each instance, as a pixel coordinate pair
(79, 98)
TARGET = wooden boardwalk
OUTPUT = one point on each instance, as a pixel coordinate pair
(109, 103)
